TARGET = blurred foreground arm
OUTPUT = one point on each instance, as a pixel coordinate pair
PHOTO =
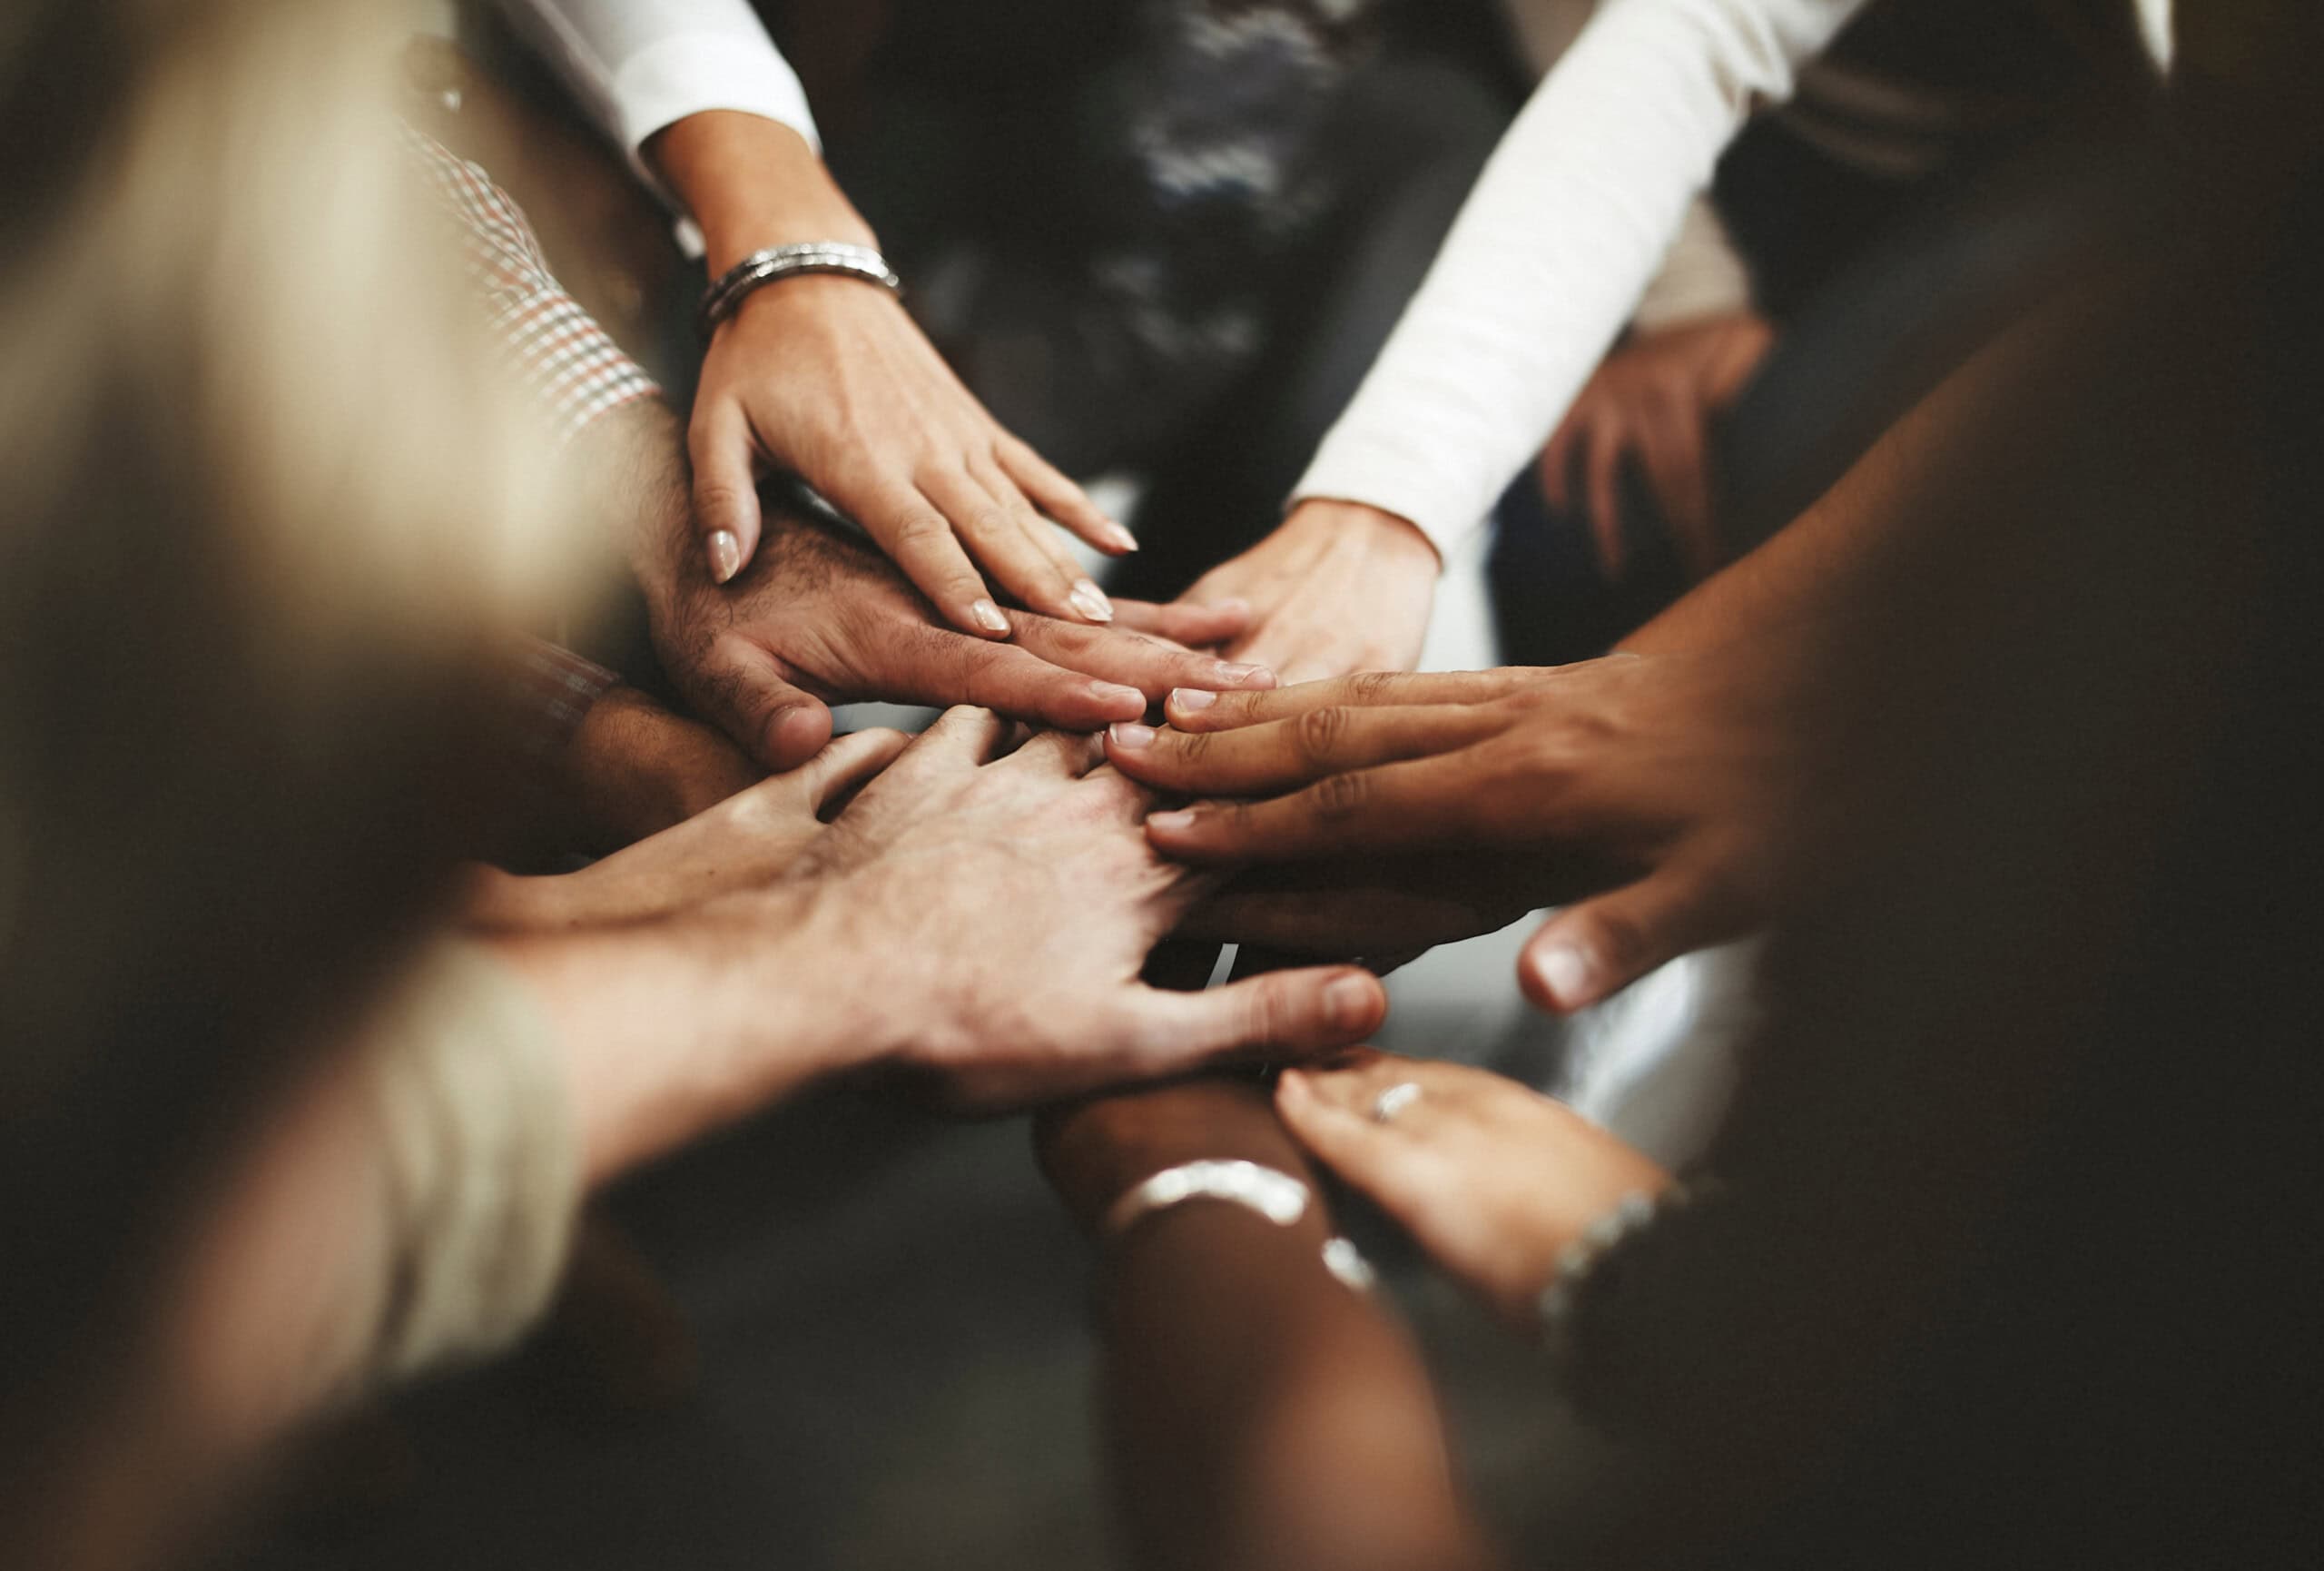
(1259, 1413)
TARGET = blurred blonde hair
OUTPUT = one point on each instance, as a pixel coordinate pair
(265, 511)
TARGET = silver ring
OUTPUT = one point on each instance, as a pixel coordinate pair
(1394, 1100)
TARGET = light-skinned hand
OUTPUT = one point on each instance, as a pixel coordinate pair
(821, 619)
(1492, 1178)
(1337, 588)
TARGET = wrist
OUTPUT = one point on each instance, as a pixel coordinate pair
(1375, 529)
(670, 1030)
(1095, 1152)
(751, 183)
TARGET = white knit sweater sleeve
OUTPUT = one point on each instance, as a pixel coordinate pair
(640, 64)
(1570, 218)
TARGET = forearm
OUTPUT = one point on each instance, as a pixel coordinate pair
(1553, 249)
(751, 182)
(1259, 1412)
(662, 1030)
(1882, 551)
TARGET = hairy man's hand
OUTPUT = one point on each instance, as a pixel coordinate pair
(819, 617)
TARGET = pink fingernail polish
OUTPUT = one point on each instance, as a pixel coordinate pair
(1090, 600)
(1121, 536)
(1125, 735)
(1192, 698)
(726, 555)
(988, 616)
(1172, 823)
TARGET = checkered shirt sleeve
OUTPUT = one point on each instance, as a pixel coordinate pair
(568, 362)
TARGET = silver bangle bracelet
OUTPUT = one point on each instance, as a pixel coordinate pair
(761, 268)
(1273, 1194)
(1268, 1191)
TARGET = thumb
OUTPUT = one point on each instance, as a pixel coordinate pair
(725, 488)
(780, 725)
(1592, 950)
(1283, 1014)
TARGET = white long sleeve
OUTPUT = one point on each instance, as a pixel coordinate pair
(640, 64)
(1553, 248)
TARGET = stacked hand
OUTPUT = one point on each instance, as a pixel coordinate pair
(977, 917)
(1680, 799)
(829, 378)
(1338, 587)
(821, 619)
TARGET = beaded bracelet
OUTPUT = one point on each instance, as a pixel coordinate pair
(1586, 1261)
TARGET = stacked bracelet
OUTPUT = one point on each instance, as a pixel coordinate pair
(761, 268)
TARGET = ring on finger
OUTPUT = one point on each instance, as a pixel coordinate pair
(1394, 1100)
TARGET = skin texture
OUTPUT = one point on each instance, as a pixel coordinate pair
(740, 842)
(821, 619)
(829, 377)
(889, 909)
(1656, 400)
(632, 769)
(1338, 587)
(1492, 1180)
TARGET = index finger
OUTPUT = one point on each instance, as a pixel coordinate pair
(926, 664)
(1414, 806)
(1181, 622)
(1281, 755)
(1152, 666)
(1198, 710)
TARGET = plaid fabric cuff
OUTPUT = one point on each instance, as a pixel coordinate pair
(569, 364)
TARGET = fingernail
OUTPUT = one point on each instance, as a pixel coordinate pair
(1244, 676)
(1564, 970)
(1240, 606)
(1125, 735)
(1347, 1003)
(988, 616)
(1172, 823)
(726, 555)
(1192, 698)
(1090, 600)
(1115, 696)
(1121, 536)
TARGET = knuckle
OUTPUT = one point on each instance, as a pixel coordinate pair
(1319, 733)
(920, 529)
(1337, 797)
(1194, 751)
(1373, 686)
